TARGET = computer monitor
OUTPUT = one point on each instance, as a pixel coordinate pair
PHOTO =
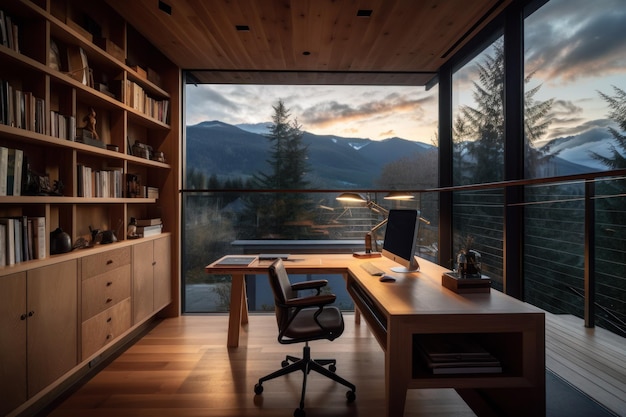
(401, 239)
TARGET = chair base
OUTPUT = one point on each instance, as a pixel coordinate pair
(306, 364)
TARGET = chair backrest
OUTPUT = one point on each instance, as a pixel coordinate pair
(281, 287)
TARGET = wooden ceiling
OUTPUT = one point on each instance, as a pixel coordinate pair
(402, 42)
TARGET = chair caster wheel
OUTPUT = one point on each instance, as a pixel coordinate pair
(351, 396)
(332, 368)
(258, 389)
(284, 363)
(299, 413)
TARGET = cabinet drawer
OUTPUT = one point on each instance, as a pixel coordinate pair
(104, 291)
(103, 262)
(105, 327)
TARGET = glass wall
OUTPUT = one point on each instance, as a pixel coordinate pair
(478, 157)
(265, 164)
(575, 122)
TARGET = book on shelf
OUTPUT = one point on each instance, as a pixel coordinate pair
(4, 162)
(236, 260)
(3, 242)
(14, 171)
(39, 237)
(9, 240)
(455, 354)
(149, 222)
(146, 231)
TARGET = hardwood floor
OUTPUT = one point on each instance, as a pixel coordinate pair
(182, 368)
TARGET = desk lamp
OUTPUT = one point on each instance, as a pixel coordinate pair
(373, 206)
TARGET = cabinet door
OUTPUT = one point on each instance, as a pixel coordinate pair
(12, 341)
(52, 323)
(162, 286)
(143, 282)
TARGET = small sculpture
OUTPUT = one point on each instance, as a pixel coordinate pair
(90, 123)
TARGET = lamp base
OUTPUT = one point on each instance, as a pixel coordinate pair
(366, 255)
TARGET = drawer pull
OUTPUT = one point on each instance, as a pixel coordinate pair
(109, 336)
(109, 300)
(153, 263)
(110, 261)
(31, 313)
(109, 320)
(109, 283)
(23, 316)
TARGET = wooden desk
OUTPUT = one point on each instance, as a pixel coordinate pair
(417, 304)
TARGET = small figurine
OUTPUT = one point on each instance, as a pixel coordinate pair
(90, 123)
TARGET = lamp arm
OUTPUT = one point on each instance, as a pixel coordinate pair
(375, 207)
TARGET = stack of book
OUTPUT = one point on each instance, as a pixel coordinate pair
(22, 239)
(149, 227)
(455, 354)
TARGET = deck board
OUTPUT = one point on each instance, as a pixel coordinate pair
(593, 360)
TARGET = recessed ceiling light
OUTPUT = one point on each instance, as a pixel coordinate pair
(364, 12)
(242, 28)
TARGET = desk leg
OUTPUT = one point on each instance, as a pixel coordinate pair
(397, 372)
(235, 316)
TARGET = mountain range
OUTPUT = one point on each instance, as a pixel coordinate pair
(240, 151)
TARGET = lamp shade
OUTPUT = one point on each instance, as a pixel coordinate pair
(399, 195)
(351, 197)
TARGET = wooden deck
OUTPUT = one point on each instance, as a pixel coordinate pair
(182, 367)
(593, 360)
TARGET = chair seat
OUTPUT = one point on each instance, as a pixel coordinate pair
(304, 326)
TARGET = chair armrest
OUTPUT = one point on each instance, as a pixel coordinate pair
(309, 285)
(312, 301)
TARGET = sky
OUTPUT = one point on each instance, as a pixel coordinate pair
(573, 48)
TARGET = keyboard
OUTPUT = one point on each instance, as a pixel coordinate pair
(372, 269)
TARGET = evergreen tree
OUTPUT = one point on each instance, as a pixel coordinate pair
(479, 131)
(617, 104)
(274, 214)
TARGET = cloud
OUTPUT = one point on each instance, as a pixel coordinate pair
(572, 39)
(333, 112)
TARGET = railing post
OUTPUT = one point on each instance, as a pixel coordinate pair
(590, 255)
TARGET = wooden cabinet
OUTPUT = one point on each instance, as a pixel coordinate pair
(105, 301)
(38, 333)
(77, 181)
(151, 283)
(13, 314)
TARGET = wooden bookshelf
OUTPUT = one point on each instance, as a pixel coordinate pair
(111, 48)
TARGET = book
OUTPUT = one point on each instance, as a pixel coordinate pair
(3, 243)
(4, 162)
(236, 260)
(17, 230)
(25, 241)
(9, 240)
(455, 354)
(39, 237)
(149, 222)
(14, 171)
(146, 231)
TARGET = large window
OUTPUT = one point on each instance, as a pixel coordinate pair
(478, 157)
(265, 164)
(575, 122)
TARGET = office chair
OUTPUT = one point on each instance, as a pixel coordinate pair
(302, 319)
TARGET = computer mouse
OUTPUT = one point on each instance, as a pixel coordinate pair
(386, 278)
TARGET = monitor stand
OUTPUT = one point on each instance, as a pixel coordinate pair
(404, 270)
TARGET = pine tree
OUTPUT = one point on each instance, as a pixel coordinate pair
(273, 213)
(479, 131)
(617, 104)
